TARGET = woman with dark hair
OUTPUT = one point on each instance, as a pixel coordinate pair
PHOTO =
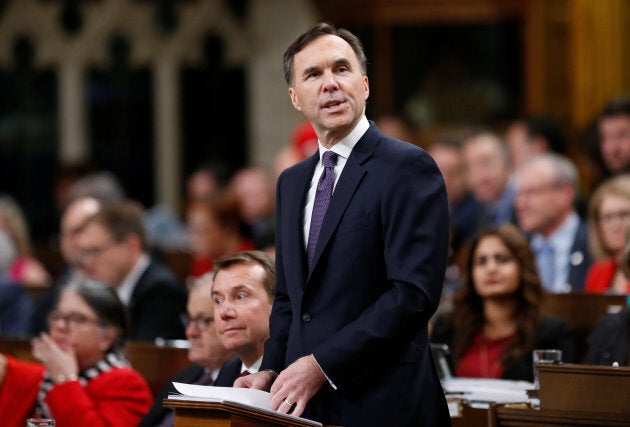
(84, 380)
(497, 320)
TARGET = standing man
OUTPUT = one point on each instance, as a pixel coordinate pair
(355, 287)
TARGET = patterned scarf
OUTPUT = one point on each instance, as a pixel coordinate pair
(111, 361)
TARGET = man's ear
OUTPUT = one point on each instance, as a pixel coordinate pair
(294, 99)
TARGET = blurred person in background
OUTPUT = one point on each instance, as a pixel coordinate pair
(614, 136)
(73, 218)
(214, 227)
(546, 190)
(254, 191)
(16, 306)
(609, 341)
(25, 269)
(532, 135)
(608, 220)
(488, 171)
(497, 317)
(113, 249)
(83, 379)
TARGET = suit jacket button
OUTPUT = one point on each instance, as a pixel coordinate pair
(306, 317)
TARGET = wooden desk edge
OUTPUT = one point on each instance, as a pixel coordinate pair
(238, 409)
(549, 415)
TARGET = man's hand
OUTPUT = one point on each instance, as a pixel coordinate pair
(260, 380)
(296, 385)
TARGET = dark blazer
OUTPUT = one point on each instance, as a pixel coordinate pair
(610, 340)
(157, 304)
(16, 308)
(553, 332)
(376, 279)
(580, 258)
(191, 373)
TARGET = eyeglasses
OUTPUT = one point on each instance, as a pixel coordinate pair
(536, 191)
(200, 322)
(71, 320)
(608, 218)
(95, 251)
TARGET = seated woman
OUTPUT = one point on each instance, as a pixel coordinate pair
(608, 219)
(496, 319)
(83, 380)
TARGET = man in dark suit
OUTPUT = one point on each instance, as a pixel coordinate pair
(546, 190)
(348, 342)
(113, 249)
(206, 353)
(243, 292)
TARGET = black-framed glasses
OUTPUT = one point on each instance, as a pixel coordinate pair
(71, 320)
(202, 323)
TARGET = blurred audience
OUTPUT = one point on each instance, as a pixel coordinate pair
(487, 164)
(546, 190)
(464, 208)
(214, 227)
(84, 380)
(609, 218)
(254, 191)
(73, 218)
(16, 306)
(25, 269)
(532, 135)
(113, 249)
(609, 341)
(497, 317)
(614, 136)
(243, 292)
(206, 353)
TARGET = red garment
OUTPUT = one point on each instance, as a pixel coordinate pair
(117, 398)
(18, 391)
(18, 268)
(483, 358)
(600, 276)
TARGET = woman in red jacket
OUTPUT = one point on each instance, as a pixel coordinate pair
(83, 380)
(609, 219)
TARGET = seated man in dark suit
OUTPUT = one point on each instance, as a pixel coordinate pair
(243, 291)
(206, 354)
(113, 249)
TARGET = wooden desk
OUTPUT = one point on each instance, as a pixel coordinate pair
(582, 311)
(575, 395)
(189, 413)
(157, 364)
(520, 417)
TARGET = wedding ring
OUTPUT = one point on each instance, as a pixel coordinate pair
(286, 402)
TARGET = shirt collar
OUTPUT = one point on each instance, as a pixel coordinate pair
(563, 237)
(344, 146)
(252, 369)
(125, 290)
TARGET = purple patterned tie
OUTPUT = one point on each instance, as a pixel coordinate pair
(322, 198)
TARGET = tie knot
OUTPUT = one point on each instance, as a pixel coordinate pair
(330, 159)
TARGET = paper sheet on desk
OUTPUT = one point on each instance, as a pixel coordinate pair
(247, 396)
(488, 390)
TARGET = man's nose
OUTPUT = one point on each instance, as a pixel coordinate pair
(330, 81)
(226, 310)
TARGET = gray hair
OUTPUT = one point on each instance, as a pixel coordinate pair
(564, 171)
